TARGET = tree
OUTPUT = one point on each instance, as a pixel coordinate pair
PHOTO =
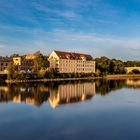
(52, 73)
(13, 71)
(109, 66)
(40, 61)
(102, 64)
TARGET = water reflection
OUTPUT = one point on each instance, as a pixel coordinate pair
(71, 93)
(58, 94)
(135, 83)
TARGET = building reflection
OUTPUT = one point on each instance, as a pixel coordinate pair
(56, 96)
(35, 95)
(71, 93)
(4, 88)
(59, 94)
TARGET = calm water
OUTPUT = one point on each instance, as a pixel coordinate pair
(96, 110)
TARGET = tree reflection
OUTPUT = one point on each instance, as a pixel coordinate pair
(103, 87)
(61, 93)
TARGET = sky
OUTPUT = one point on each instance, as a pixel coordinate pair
(99, 27)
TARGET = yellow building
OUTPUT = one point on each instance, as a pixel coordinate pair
(30, 57)
(17, 60)
(67, 62)
(24, 64)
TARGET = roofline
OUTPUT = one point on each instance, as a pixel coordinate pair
(72, 52)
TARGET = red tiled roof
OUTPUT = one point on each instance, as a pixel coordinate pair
(73, 55)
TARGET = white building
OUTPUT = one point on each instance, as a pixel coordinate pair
(68, 62)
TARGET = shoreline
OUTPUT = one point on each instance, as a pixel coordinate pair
(122, 76)
(52, 80)
(107, 77)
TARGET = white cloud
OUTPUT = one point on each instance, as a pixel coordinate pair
(123, 48)
(69, 40)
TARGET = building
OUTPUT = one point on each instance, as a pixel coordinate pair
(4, 62)
(24, 64)
(30, 57)
(68, 62)
(17, 60)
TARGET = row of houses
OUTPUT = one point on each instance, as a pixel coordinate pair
(65, 62)
(4, 62)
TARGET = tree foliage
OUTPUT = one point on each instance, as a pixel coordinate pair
(13, 71)
(105, 66)
(40, 62)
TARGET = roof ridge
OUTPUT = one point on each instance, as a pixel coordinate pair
(72, 52)
(73, 55)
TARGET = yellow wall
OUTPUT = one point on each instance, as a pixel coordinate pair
(17, 61)
(30, 57)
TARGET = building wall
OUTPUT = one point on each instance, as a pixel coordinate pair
(4, 62)
(75, 66)
(53, 60)
(17, 61)
(24, 64)
(30, 57)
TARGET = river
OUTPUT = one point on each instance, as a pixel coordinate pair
(81, 110)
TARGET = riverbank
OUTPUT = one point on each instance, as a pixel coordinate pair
(52, 80)
(122, 76)
(107, 77)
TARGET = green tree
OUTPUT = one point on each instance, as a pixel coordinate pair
(41, 61)
(13, 71)
(52, 73)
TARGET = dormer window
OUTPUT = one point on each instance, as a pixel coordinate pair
(83, 58)
(68, 56)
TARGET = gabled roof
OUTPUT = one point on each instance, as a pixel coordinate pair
(73, 55)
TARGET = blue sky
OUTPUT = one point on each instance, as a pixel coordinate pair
(99, 27)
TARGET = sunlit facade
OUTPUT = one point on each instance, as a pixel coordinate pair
(24, 64)
(67, 62)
